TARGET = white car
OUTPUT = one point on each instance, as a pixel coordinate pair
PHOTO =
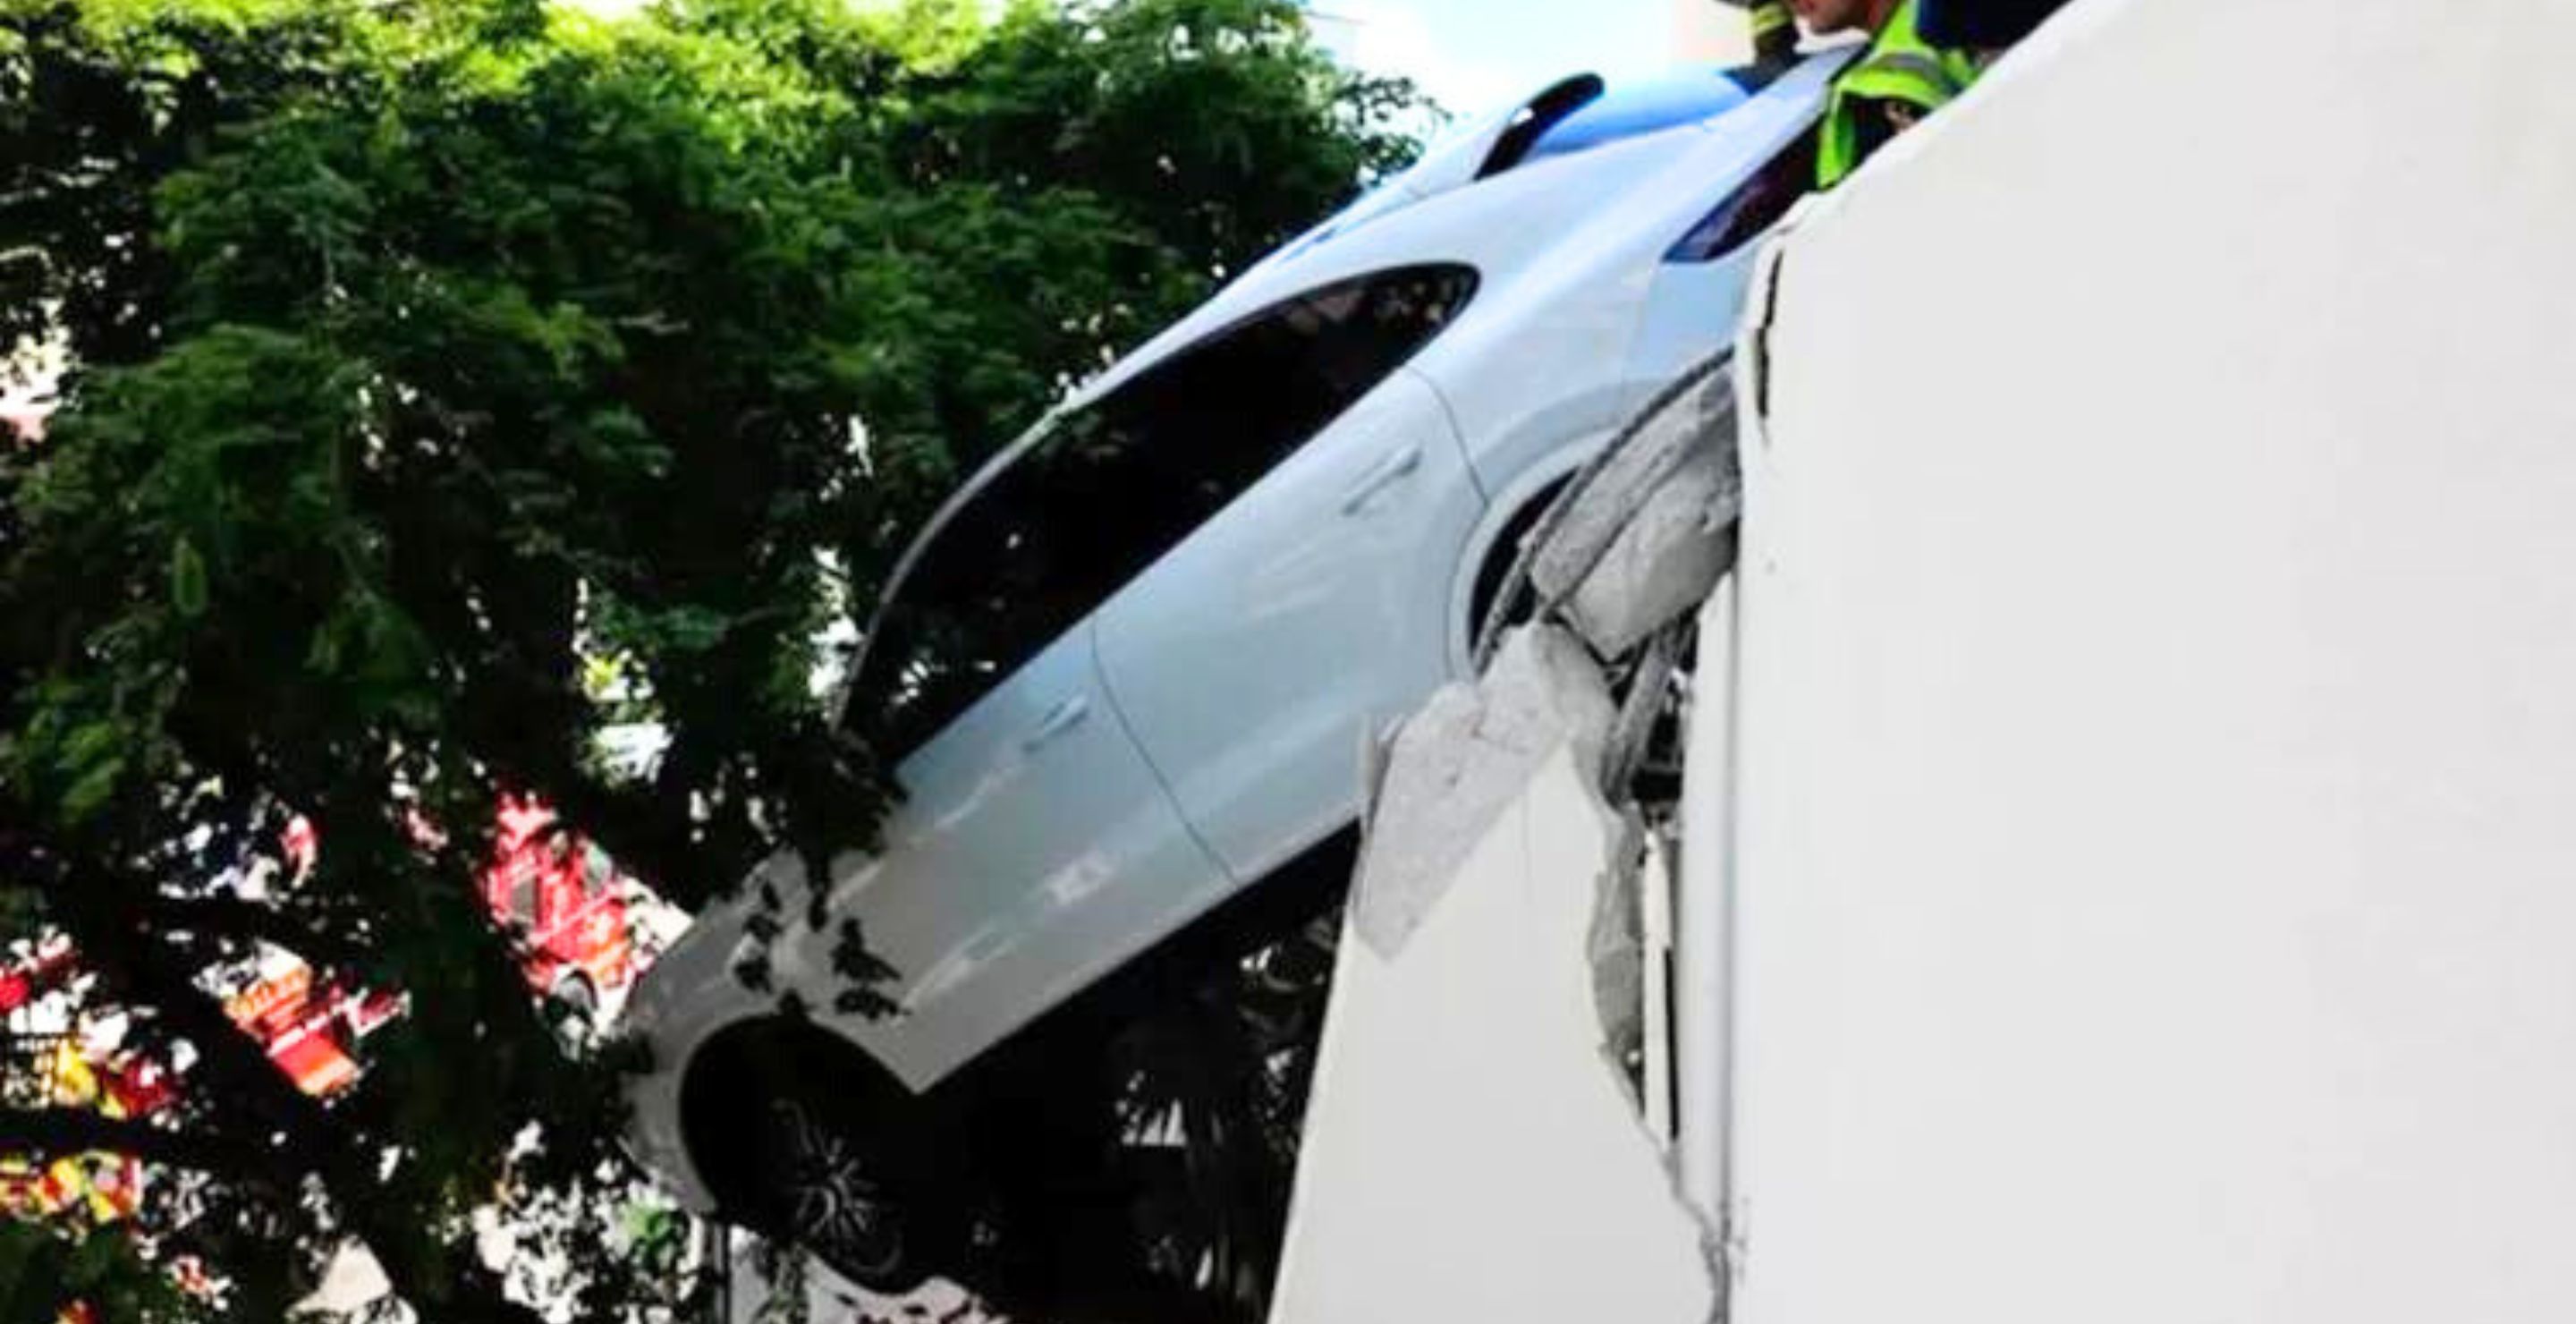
(1128, 670)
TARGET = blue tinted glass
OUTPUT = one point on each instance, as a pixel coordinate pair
(1642, 108)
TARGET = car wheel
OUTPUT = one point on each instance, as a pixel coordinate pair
(807, 1142)
(839, 1196)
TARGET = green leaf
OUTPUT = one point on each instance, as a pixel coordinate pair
(88, 743)
(187, 579)
(93, 789)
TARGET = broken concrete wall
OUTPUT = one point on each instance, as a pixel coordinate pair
(2158, 719)
(1642, 536)
(1459, 763)
(1477, 1141)
(1468, 1153)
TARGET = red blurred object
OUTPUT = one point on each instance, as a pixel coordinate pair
(48, 969)
(553, 890)
(562, 894)
(558, 895)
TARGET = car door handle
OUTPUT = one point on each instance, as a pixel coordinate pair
(1389, 471)
(1062, 718)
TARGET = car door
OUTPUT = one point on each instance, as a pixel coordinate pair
(1033, 844)
(1311, 606)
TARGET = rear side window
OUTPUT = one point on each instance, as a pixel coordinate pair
(1114, 486)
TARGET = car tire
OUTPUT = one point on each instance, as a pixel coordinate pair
(809, 1145)
(830, 1192)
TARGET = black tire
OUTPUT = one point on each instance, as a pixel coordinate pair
(826, 1191)
(808, 1143)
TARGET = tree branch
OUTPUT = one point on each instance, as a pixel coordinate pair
(440, 1282)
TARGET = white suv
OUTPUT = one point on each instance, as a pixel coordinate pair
(1128, 669)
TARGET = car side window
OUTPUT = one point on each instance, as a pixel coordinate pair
(1114, 486)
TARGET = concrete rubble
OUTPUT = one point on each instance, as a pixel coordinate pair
(1644, 536)
(1460, 762)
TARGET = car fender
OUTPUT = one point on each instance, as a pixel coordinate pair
(1553, 465)
(682, 1003)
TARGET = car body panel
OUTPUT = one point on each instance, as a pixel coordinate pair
(1246, 699)
(1486, 541)
(688, 997)
(1032, 840)
(1551, 360)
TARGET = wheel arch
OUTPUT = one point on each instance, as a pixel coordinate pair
(1514, 508)
(741, 1065)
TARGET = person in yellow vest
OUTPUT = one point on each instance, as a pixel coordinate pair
(1775, 32)
(1900, 80)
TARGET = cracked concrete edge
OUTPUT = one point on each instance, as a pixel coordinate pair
(1646, 541)
(1459, 762)
(1636, 542)
(1615, 945)
(1437, 784)
(1664, 562)
(1637, 463)
(1618, 892)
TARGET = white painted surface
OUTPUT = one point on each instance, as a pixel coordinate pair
(1710, 32)
(1469, 1154)
(1033, 843)
(2158, 722)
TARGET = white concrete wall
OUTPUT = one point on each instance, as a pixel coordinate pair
(2158, 727)
(1469, 1154)
(1708, 32)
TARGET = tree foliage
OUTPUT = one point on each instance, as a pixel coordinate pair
(427, 354)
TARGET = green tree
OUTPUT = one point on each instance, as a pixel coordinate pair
(421, 351)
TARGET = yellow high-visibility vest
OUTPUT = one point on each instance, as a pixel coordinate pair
(1900, 67)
